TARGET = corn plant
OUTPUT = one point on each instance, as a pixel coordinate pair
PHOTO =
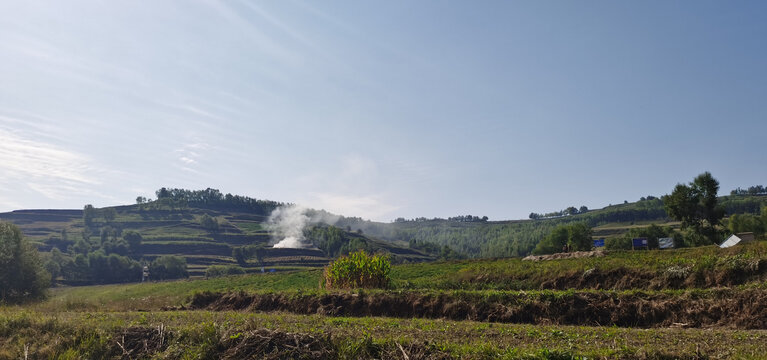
(358, 270)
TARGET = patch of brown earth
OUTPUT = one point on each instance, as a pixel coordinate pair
(139, 342)
(274, 345)
(567, 255)
(724, 308)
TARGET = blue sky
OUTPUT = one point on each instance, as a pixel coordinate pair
(380, 109)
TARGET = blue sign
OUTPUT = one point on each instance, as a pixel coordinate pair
(639, 242)
(599, 242)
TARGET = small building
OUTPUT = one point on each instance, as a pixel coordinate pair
(731, 241)
(746, 236)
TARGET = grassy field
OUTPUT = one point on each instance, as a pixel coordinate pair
(208, 335)
(429, 307)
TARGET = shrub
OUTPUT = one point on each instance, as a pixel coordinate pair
(221, 270)
(358, 270)
(168, 267)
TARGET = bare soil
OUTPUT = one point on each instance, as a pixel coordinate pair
(724, 308)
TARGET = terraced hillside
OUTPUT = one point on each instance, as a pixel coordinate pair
(181, 231)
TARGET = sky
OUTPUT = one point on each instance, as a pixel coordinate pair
(380, 109)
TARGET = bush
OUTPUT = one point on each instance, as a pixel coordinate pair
(221, 270)
(168, 267)
(358, 270)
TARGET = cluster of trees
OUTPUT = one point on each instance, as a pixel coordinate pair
(95, 267)
(752, 190)
(223, 270)
(564, 238)
(107, 254)
(209, 223)
(697, 206)
(214, 199)
(738, 223)
(572, 210)
(459, 218)
(22, 275)
(441, 252)
(242, 253)
(468, 218)
(334, 241)
(418, 219)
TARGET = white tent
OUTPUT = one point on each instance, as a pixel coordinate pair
(731, 241)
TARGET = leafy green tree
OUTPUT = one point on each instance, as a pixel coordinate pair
(168, 267)
(22, 275)
(554, 242)
(133, 239)
(696, 206)
(209, 223)
(89, 212)
(579, 237)
(746, 223)
(109, 214)
(576, 237)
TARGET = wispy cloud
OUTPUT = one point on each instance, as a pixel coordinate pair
(47, 169)
(190, 154)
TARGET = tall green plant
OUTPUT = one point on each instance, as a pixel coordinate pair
(358, 270)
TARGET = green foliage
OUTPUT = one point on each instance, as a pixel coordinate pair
(738, 223)
(109, 214)
(133, 239)
(358, 270)
(22, 276)
(696, 206)
(209, 223)
(574, 237)
(214, 199)
(334, 241)
(89, 212)
(223, 270)
(168, 267)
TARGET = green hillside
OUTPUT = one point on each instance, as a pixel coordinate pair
(482, 239)
(208, 228)
(181, 231)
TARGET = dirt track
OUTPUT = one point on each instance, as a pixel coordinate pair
(725, 308)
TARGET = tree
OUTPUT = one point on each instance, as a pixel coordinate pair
(209, 223)
(22, 275)
(695, 205)
(577, 237)
(134, 241)
(110, 214)
(583, 209)
(89, 212)
(168, 267)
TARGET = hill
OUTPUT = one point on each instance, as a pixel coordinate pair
(209, 228)
(238, 236)
(483, 239)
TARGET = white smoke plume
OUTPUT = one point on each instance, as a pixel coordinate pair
(288, 223)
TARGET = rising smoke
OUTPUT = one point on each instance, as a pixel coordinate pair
(287, 224)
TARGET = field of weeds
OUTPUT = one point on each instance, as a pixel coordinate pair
(689, 303)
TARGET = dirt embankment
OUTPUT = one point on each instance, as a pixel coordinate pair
(725, 308)
(144, 343)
